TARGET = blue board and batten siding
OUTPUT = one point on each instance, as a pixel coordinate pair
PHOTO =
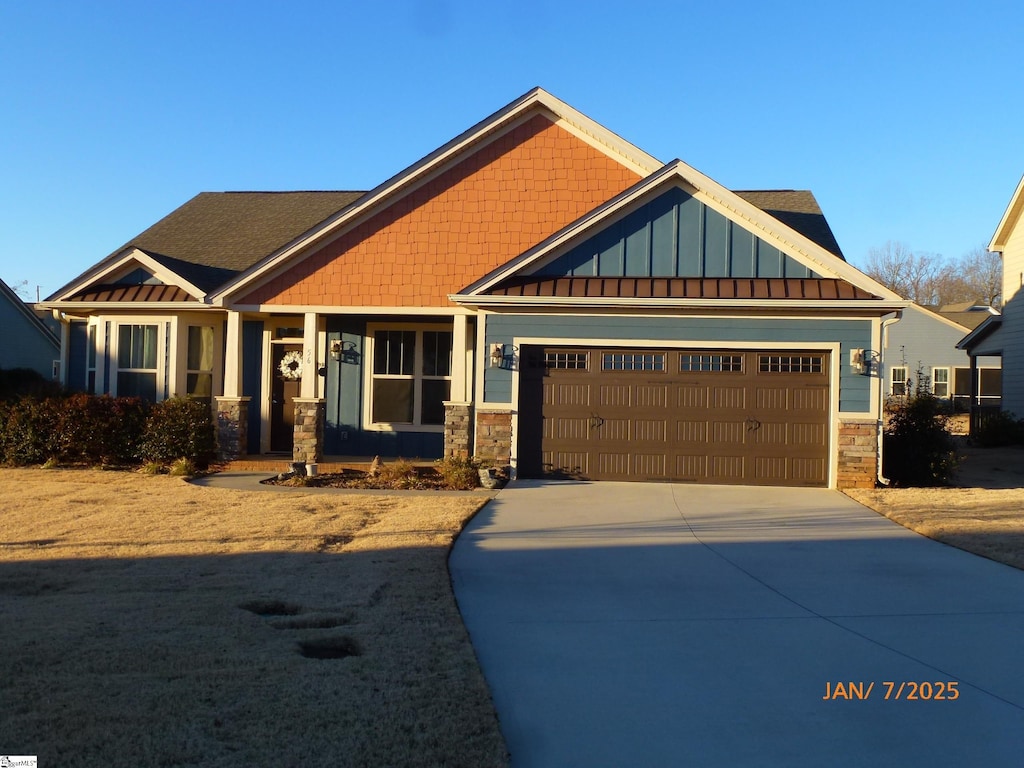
(252, 379)
(675, 235)
(343, 393)
(854, 389)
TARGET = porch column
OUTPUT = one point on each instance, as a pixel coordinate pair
(461, 360)
(310, 387)
(458, 409)
(310, 410)
(233, 356)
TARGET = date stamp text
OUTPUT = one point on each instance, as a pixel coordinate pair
(892, 690)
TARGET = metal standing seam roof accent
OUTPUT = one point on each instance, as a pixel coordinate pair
(133, 293)
(683, 288)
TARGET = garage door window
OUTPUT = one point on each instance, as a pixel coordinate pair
(712, 363)
(567, 361)
(790, 363)
(633, 361)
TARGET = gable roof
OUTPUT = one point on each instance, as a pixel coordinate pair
(1010, 218)
(412, 178)
(735, 206)
(216, 235)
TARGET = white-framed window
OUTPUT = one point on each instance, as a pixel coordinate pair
(90, 361)
(410, 376)
(898, 380)
(940, 382)
(199, 362)
(137, 360)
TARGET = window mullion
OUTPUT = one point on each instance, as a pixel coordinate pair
(417, 380)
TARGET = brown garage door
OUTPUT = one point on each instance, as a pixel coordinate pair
(702, 416)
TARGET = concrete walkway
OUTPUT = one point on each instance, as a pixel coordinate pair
(625, 624)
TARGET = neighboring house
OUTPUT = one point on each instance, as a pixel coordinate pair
(924, 342)
(537, 292)
(1004, 335)
(26, 341)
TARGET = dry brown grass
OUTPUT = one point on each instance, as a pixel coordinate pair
(151, 622)
(985, 515)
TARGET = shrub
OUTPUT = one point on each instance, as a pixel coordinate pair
(27, 432)
(182, 468)
(918, 447)
(399, 474)
(458, 473)
(18, 383)
(92, 429)
(999, 429)
(179, 428)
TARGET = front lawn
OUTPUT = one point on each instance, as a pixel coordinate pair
(150, 622)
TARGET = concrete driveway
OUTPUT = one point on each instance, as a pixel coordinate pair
(624, 624)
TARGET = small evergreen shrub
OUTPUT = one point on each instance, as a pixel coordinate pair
(27, 432)
(918, 449)
(18, 383)
(91, 429)
(179, 428)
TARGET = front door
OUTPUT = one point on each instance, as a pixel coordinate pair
(285, 387)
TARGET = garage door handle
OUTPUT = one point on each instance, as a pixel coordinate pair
(596, 421)
(753, 425)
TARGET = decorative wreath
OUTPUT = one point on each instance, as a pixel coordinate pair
(291, 366)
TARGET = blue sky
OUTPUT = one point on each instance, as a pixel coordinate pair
(906, 119)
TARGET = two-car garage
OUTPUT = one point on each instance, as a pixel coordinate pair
(753, 417)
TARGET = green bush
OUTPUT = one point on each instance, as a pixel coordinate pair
(90, 429)
(17, 383)
(27, 430)
(999, 429)
(78, 429)
(176, 429)
(918, 449)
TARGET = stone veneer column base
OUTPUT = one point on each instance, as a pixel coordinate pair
(494, 436)
(232, 427)
(858, 454)
(458, 429)
(310, 415)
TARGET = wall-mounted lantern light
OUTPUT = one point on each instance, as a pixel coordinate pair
(497, 355)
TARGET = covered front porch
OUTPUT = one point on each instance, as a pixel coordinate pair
(302, 387)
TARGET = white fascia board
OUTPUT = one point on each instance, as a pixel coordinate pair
(127, 307)
(1008, 221)
(300, 309)
(873, 306)
(991, 325)
(566, 234)
(720, 199)
(117, 264)
(769, 228)
(421, 172)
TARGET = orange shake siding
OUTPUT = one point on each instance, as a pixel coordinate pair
(485, 210)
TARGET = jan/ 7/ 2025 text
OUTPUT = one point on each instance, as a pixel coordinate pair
(892, 691)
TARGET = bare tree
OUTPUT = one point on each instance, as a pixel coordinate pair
(911, 275)
(930, 279)
(984, 271)
(21, 288)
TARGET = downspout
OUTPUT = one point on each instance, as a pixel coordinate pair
(887, 320)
